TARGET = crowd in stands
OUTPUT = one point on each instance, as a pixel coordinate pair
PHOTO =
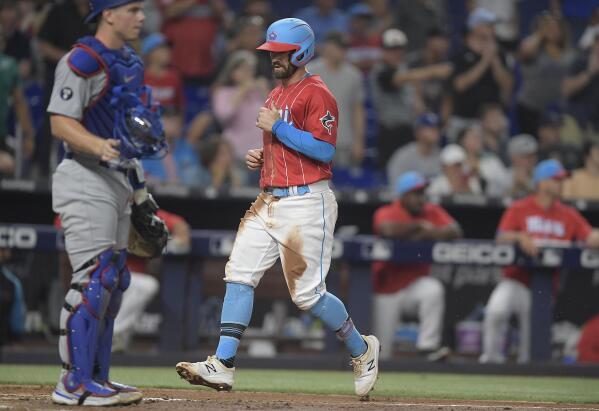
(471, 93)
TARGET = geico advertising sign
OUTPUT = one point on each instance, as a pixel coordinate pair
(474, 253)
(18, 237)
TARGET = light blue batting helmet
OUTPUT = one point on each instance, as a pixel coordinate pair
(291, 35)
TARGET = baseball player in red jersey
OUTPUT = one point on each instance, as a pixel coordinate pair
(407, 288)
(537, 220)
(294, 216)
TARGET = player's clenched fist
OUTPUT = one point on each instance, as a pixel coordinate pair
(267, 117)
(108, 150)
(254, 158)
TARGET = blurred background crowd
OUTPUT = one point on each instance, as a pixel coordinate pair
(472, 93)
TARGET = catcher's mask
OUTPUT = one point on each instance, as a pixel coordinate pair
(137, 125)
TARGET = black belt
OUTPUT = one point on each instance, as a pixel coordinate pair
(71, 156)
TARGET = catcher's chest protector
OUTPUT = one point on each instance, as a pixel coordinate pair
(121, 67)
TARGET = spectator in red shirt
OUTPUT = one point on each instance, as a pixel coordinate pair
(191, 27)
(143, 285)
(407, 288)
(165, 82)
(539, 219)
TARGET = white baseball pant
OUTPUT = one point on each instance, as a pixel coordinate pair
(424, 297)
(298, 229)
(510, 297)
(142, 289)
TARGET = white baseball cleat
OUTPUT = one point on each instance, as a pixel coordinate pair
(210, 373)
(89, 394)
(127, 393)
(366, 367)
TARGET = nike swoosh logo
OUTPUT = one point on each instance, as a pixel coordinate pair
(128, 79)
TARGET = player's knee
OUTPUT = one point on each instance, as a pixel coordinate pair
(435, 292)
(305, 301)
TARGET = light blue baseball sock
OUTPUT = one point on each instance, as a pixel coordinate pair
(332, 312)
(235, 317)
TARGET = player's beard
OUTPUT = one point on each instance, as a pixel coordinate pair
(285, 73)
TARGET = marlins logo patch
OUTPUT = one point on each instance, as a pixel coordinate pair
(327, 121)
(66, 93)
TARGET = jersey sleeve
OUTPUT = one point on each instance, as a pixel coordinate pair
(441, 218)
(509, 221)
(169, 219)
(322, 116)
(72, 93)
(582, 228)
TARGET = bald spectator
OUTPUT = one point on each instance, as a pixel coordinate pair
(584, 183)
(481, 74)
(455, 179)
(421, 155)
(346, 83)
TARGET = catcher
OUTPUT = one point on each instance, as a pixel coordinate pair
(104, 116)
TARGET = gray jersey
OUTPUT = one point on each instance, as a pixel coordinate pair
(72, 93)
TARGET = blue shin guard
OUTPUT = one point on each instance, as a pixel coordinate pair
(332, 312)
(235, 317)
(83, 311)
(104, 348)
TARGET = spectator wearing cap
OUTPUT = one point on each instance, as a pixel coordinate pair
(393, 98)
(323, 16)
(455, 177)
(346, 83)
(421, 155)
(551, 143)
(435, 69)
(482, 165)
(481, 74)
(523, 153)
(584, 183)
(408, 288)
(164, 81)
(530, 223)
(545, 56)
(581, 89)
(417, 17)
(364, 41)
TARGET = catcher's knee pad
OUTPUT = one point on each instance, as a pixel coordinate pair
(84, 308)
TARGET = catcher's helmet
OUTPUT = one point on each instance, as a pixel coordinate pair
(96, 7)
(291, 35)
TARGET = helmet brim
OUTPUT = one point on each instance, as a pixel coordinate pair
(278, 47)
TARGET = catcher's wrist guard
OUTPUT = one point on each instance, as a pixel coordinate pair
(148, 234)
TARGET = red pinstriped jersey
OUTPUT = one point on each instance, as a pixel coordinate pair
(307, 105)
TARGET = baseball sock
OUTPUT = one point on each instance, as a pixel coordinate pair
(235, 317)
(333, 313)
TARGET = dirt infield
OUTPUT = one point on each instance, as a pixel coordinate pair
(37, 398)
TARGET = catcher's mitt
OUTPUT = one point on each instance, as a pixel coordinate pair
(148, 233)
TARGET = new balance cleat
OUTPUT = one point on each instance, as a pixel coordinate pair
(366, 367)
(210, 373)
